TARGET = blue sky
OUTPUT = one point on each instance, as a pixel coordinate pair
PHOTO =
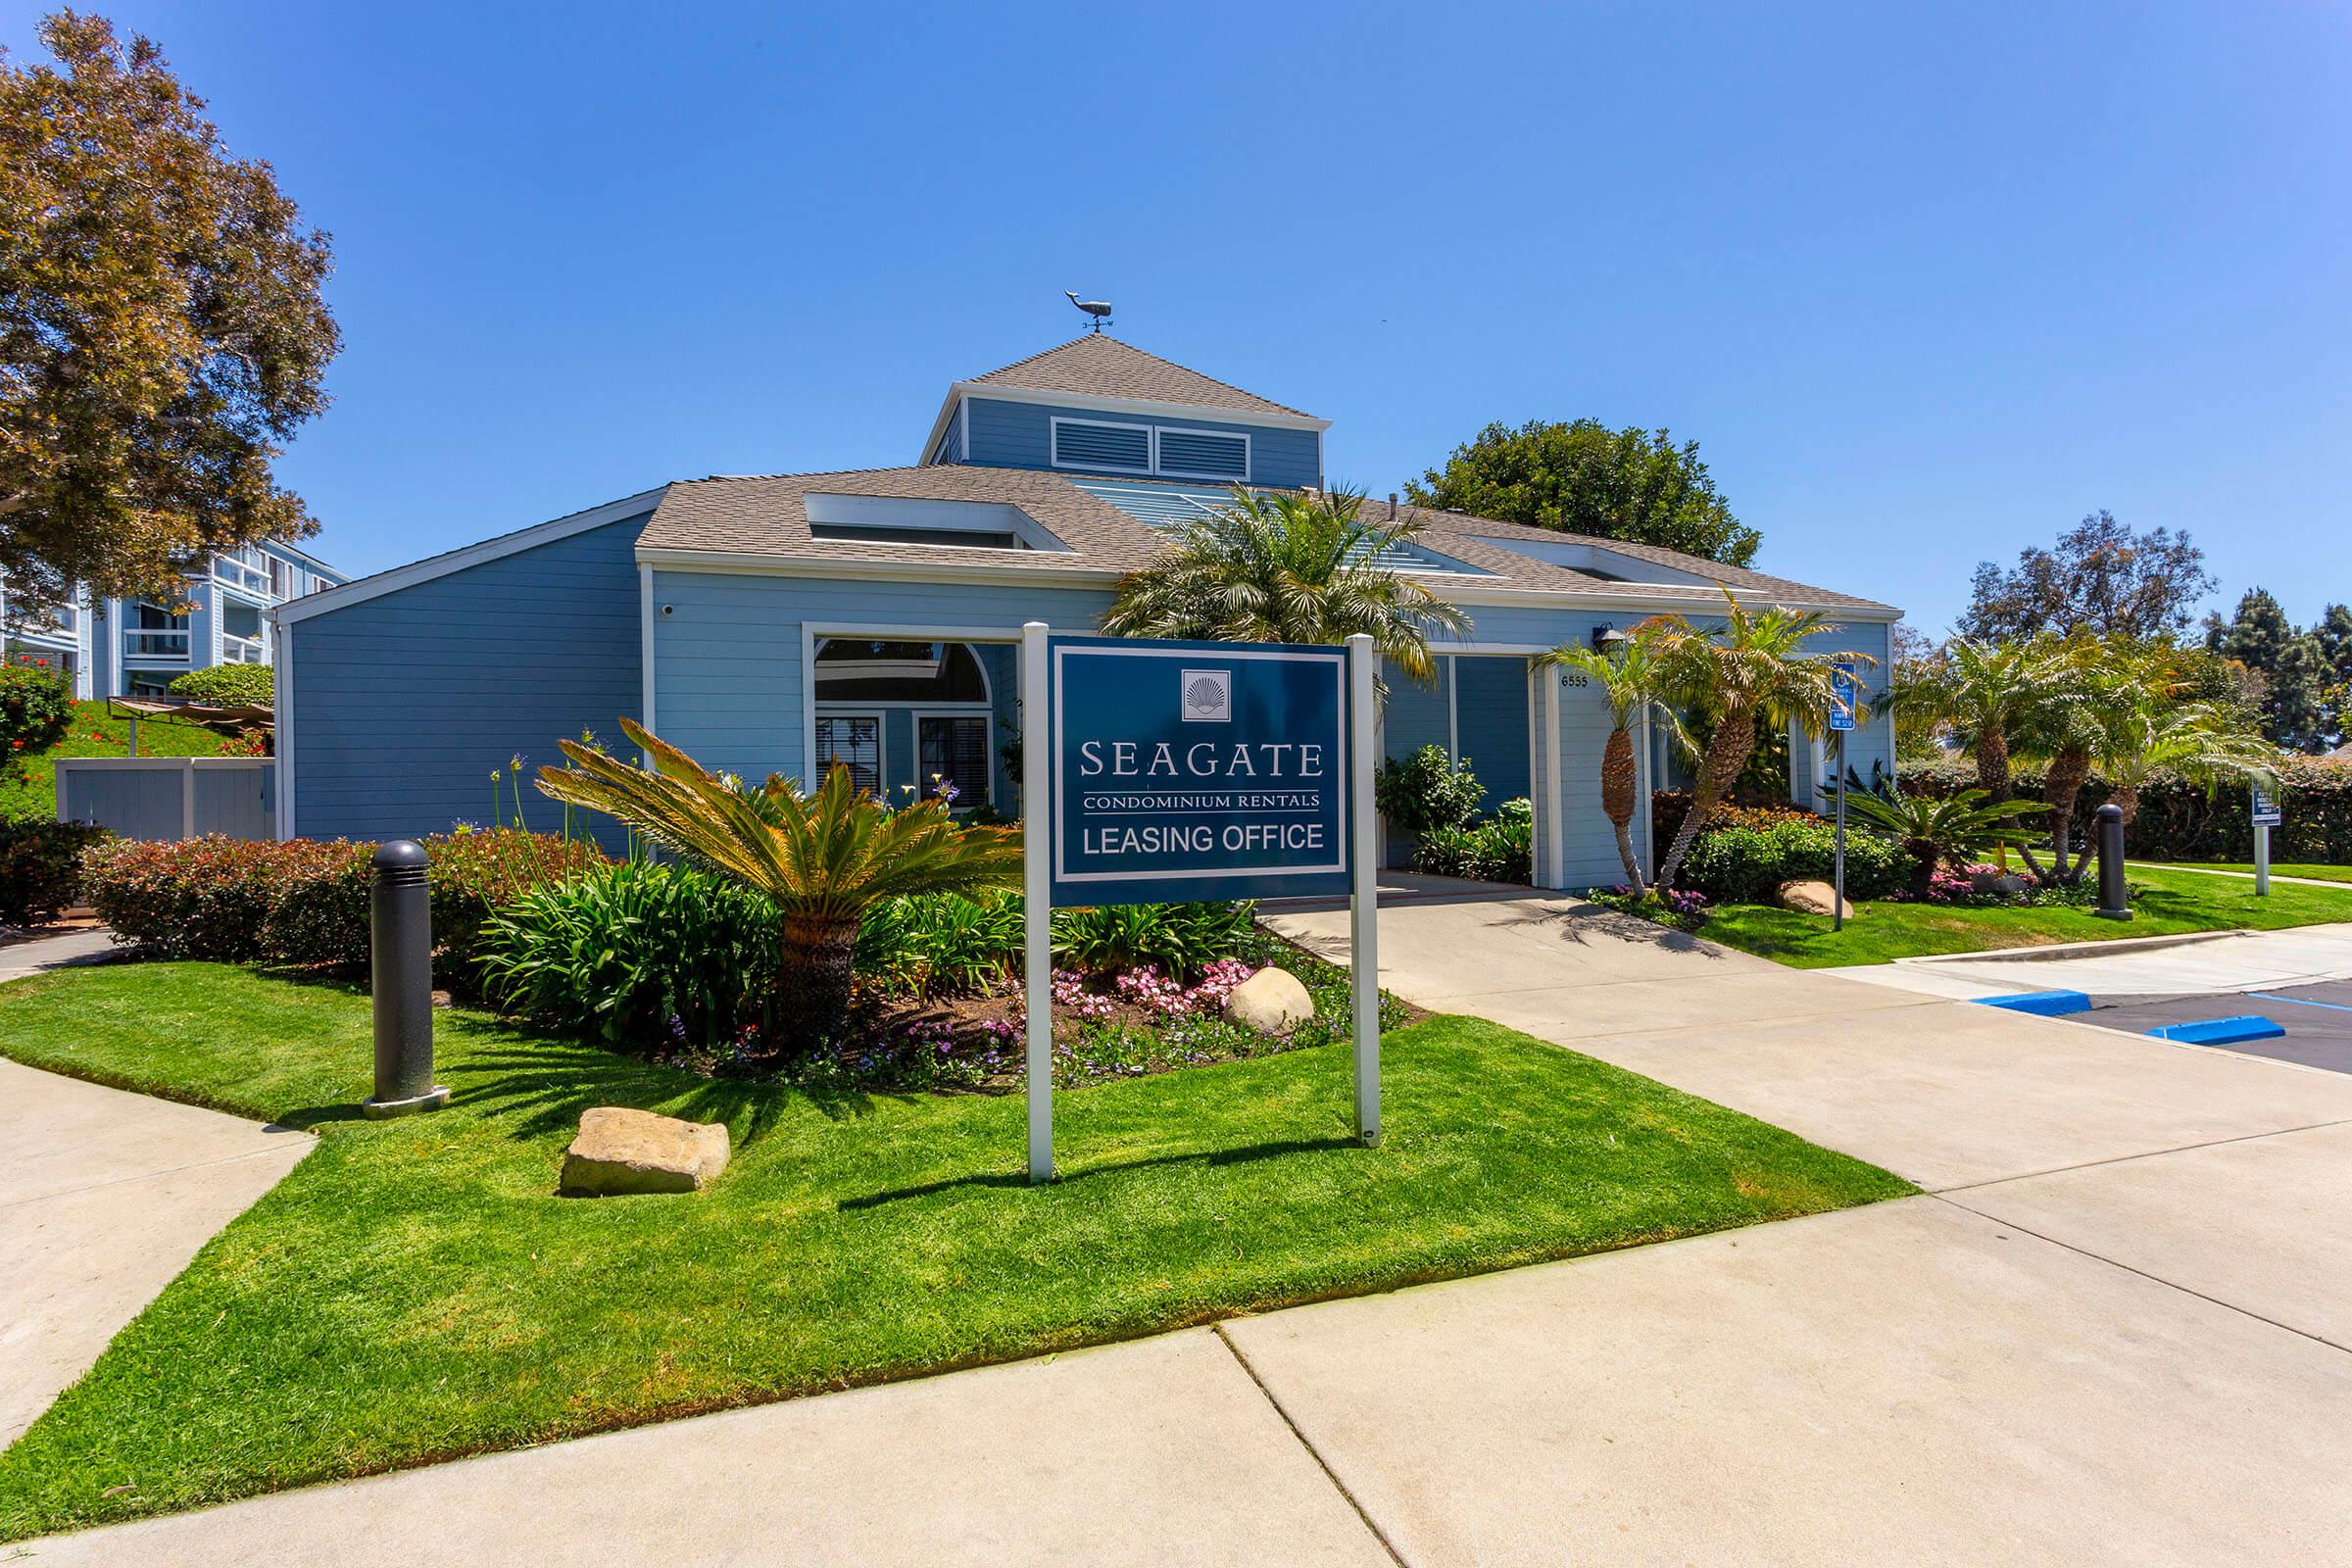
(1928, 283)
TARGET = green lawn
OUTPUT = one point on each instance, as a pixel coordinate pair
(2319, 874)
(414, 1291)
(95, 735)
(2164, 902)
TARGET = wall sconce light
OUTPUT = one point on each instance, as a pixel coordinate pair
(1607, 639)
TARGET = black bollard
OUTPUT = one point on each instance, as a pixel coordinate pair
(400, 951)
(2113, 902)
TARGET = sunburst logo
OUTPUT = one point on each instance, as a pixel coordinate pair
(1206, 695)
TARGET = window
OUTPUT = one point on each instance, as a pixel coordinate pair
(955, 748)
(1102, 448)
(854, 669)
(855, 740)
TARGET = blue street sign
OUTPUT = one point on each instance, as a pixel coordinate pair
(1197, 771)
(2266, 810)
(1841, 696)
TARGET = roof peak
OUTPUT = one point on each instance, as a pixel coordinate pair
(1098, 364)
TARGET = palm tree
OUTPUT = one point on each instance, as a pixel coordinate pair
(1287, 569)
(2191, 739)
(1748, 672)
(1936, 830)
(1632, 682)
(1989, 692)
(822, 860)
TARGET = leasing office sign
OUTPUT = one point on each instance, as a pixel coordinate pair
(1197, 771)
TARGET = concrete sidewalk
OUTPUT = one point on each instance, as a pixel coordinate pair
(2115, 1331)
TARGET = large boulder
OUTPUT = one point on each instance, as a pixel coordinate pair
(1990, 879)
(623, 1150)
(1812, 897)
(1272, 1001)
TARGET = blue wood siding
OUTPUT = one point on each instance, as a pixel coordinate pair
(950, 448)
(1020, 435)
(404, 704)
(727, 677)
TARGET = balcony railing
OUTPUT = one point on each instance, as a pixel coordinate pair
(155, 645)
(241, 649)
(237, 574)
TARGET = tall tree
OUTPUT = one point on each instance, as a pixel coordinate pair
(162, 331)
(1584, 477)
(2290, 662)
(1634, 681)
(2102, 577)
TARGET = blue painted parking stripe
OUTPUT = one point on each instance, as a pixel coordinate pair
(2300, 1001)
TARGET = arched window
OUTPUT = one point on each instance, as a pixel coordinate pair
(857, 670)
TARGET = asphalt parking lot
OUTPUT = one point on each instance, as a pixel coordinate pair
(2317, 1018)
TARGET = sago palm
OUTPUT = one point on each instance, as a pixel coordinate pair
(1751, 670)
(1937, 830)
(1287, 568)
(1632, 682)
(822, 859)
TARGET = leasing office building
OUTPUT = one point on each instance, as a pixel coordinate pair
(766, 623)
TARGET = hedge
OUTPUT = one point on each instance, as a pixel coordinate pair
(228, 685)
(40, 867)
(305, 901)
(2179, 820)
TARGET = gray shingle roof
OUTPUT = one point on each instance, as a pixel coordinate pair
(1093, 365)
(767, 515)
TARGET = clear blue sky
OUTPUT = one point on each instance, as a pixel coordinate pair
(1927, 283)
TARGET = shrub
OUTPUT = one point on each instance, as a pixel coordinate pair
(1745, 858)
(2179, 820)
(1181, 939)
(637, 956)
(1426, 792)
(36, 708)
(939, 941)
(1500, 849)
(305, 901)
(227, 686)
(40, 867)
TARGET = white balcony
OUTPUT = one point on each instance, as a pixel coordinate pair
(237, 574)
(155, 645)
(241, 649)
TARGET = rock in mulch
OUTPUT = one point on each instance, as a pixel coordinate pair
(621, 1150)
(1812, 897)
(1272, 1001)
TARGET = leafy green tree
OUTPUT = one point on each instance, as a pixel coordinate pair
(822, 860)
(161, 330)
(2291, 665)
(1287, 568)
(1584, 477)
(2101, 578)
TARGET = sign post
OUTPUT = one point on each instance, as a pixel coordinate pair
(1841, 719)
(1363, 913)
(2267, 817)
(1161, 772)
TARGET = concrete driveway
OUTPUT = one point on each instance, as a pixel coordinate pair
(2115, 1330)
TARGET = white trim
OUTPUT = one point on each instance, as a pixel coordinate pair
(959, 391)
(978, 573)
(441, 565)
(1534, 799)
(281, 699)
(1249, 453)
(1553, 790)
(929, 515)
(1053, 446)
(645, 646)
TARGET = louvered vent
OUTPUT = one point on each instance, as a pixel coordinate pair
(1113, 448)
(1197, 454)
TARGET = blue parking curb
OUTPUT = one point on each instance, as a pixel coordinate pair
(2219, 1031)
(2045, 1004)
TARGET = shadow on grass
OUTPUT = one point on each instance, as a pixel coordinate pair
(1204, 1156)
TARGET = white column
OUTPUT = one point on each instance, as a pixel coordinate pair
(1557, 872)
(1037, 839)
(1363, 924)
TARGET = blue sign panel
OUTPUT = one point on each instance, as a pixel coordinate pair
(1196, 770)
(1841, 696)
(2266, 809)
